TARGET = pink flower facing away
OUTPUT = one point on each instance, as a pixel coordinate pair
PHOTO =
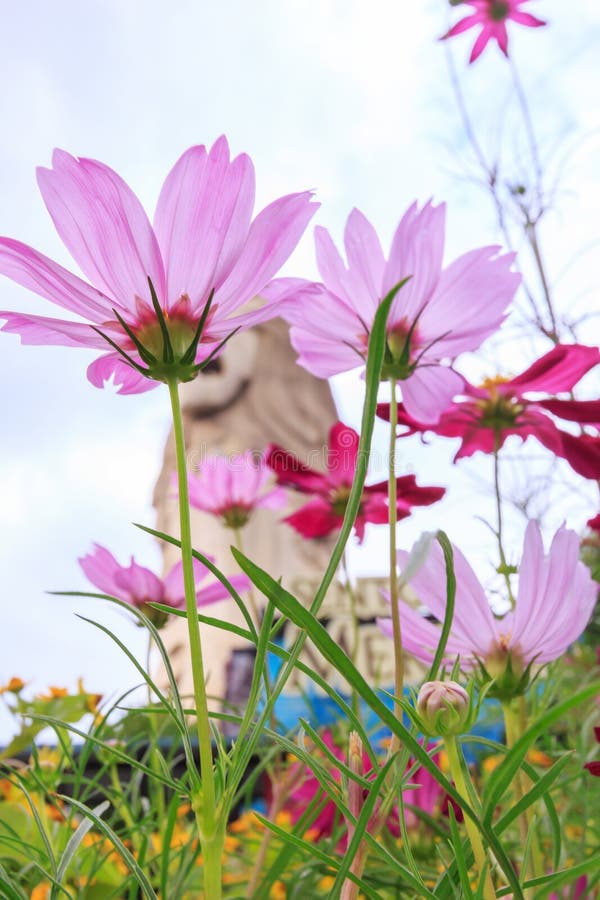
(486, 415)
(232, 487)
(439, 313)
(555, 600)
(202, 255)
(491, 16)
(139, 586)
(324, 514)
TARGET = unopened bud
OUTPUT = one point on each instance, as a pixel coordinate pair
(444, 708)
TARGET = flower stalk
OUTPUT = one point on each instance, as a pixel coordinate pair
(481, 860)
(211, 830)
(396, 627)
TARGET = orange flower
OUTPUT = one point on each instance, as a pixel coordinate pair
(13, 686)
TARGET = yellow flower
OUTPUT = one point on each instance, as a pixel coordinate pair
(41, 891)
(278, 891)
(54, 693)
(13, 686)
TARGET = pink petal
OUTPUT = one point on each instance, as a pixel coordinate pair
(469, 303)
(272, 237)
(43, 276)
(481, 43)
(526, 19)
(211, 593)
(464, 25)
(174, 587)
(582, 452)
(100, 567)
(277, 498)
(202, 219)
(473, 623)
(112, 366)
(500, 35)
(342, 454)
(331, 265)
(417, 250)
(104, 226)
(585, 412)
(556, 371)
(322, 356)
(315, 519)
(40, 330)
(140, 583)
(366, 264)
(429, 391)
(290, 471)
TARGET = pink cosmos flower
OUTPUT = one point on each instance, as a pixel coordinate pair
(188, 273)
(492, 16)
(486, 415)
(139, 586)
(556, 597)
(576, 891)
(325, 512)
(439, 313)
(231, 487)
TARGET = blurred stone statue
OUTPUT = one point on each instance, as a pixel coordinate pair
(252, 395)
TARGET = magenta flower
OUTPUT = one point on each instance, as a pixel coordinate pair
(439, 313)
(492, 16)
(139, 586)
(232, 487)
(163, 296)
(324, 514)
(422, 792)
(486, 415)
(555, 599)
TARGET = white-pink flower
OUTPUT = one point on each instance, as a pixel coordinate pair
(203, 245)
(439, 313)
(555, 600)
(139, 586)
(231, 487)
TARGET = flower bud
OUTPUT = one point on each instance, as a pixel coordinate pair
(444, 708)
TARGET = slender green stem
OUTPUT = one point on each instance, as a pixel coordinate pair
(515, 724)
(503, 563)
(481, 860)
(392, 497)
(205, 810)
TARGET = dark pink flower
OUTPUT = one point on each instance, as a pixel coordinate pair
(439, 313)
(139, 586)
(491, 16)
(486, 415)
(325, 512)
(231, 487)
(422, 792)
(146, 278)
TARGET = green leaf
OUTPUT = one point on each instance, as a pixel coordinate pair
(304, 619)
(502, 777)
(76, 838)
(446, 546)
(118, 844)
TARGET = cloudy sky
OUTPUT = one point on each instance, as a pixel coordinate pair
(349, 98)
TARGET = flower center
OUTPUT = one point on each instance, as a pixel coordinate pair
(339, 499)
(499, 10)
(235, 516)
(402, 342)
(498, 411)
